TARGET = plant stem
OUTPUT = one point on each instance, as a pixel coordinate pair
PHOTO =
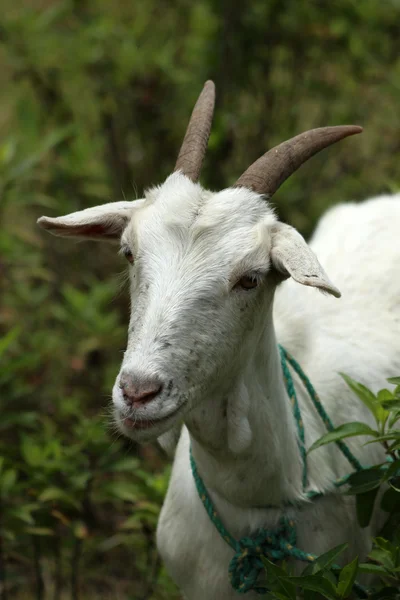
(75, 569)
(38, 568)
(153, 578)
(3, 592)
(58, 569)
(89, 513)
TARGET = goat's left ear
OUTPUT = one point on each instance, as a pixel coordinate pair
(292, 257)
(104, 222)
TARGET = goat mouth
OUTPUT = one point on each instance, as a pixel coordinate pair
(140, 424)
(143, 424)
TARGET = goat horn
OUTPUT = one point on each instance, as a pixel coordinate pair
(194, 145)
(268, 173)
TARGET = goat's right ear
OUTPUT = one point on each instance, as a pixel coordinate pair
(104, 222)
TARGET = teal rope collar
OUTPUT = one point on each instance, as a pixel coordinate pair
(279, 543)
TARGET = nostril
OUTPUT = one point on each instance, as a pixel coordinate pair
(140, 393)
(149, 395)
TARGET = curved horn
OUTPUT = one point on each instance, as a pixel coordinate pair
(194, 145)
(273, 168)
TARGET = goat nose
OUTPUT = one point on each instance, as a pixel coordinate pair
(137, 391)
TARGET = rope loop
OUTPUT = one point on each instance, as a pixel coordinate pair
(247, 564)
(245, 568)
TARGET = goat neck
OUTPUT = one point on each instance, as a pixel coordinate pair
(244, 438)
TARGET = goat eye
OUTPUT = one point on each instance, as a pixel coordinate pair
(128, 255)
(247, 282)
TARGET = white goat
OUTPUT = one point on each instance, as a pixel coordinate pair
(202, 347)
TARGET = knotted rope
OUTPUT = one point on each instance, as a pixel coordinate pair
(276, 544)
(246, 564)
(279, 543)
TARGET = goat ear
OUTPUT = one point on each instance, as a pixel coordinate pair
(105, 222)
(292, 257)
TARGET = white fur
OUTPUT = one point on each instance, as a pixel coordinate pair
(215, 348)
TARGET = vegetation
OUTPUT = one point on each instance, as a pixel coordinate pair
(95, 100)
(323, 576)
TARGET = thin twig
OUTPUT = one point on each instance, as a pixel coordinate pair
(89, 512)
(3, 591)
(152, 581)
(76, 556)
(38, 568)
(58, 579)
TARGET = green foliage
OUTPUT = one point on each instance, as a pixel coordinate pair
(342, 432)
(323, 575)
(95, 99)
(66, 482)
(328, 580)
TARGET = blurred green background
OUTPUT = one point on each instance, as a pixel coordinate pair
(95, 99)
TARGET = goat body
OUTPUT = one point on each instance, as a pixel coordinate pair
(361, 337)
(214, 345)
(214, 287)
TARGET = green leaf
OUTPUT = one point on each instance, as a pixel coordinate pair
(325, 560)
(394, 380)
(144, 507)
(363, 481)
(43, 531)
(289, 588)
(7, 480)
(383, 557)
(394, 483)
(51, 494)
(129, 464)
(329, 574)
(124, 491)
(393, 447)
(365, 505)
(390, 501)
(364, 394)
(393, 418)
(277, 580)
(133, 522)
(347, 578)
(385, 396)
(19, 419)
(32, 453)
(389, 435)
(274, 571)
(384, 545)
(372, 569)
(343, 431)
(316, 583)
(22, 514)
(49, 142)
(391, 404)
(8, 339)
(393, 470)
